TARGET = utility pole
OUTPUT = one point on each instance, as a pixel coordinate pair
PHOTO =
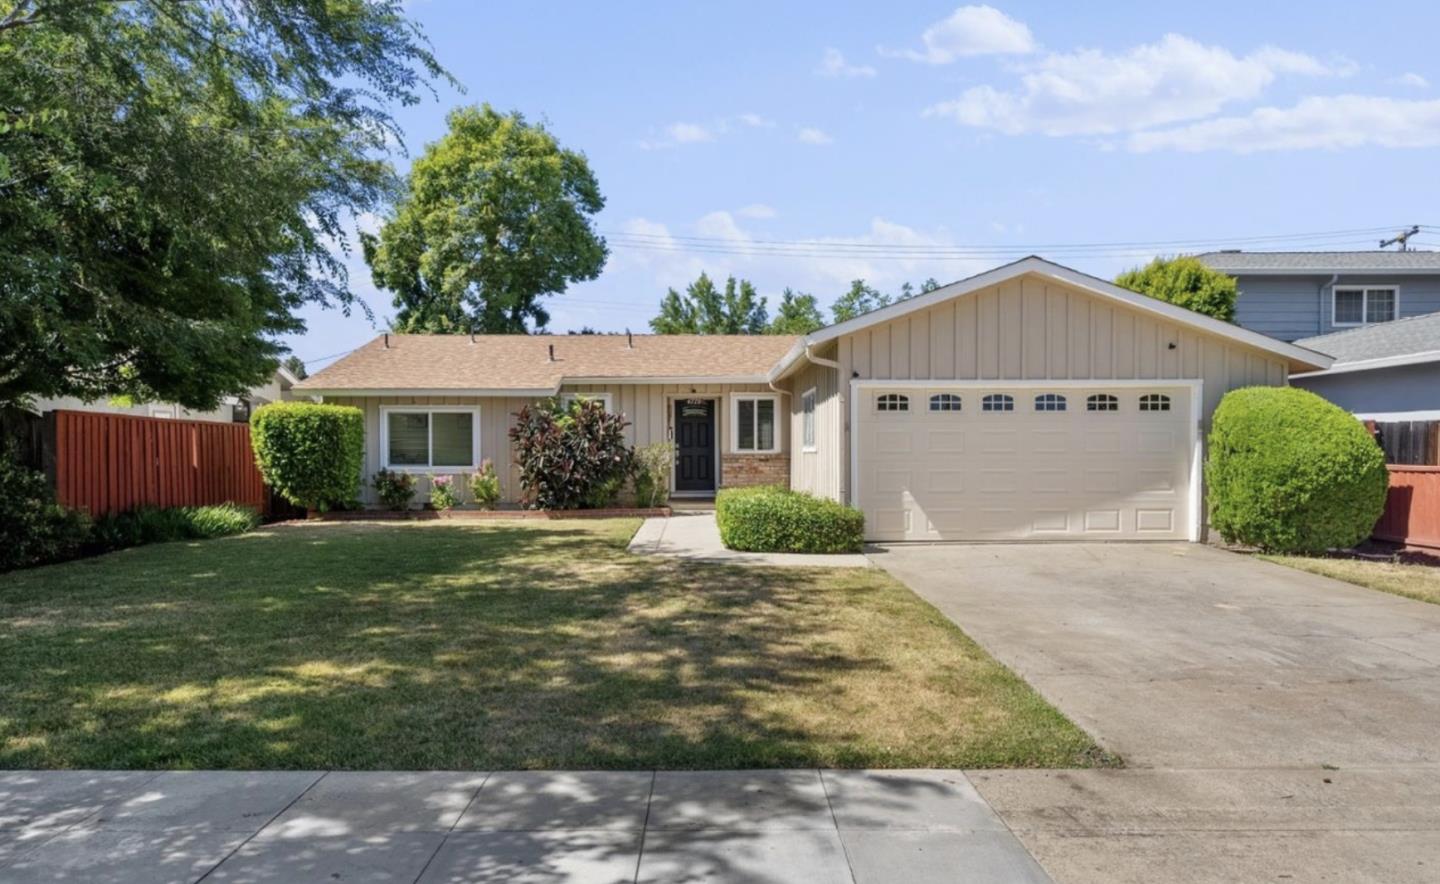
(1403, 237)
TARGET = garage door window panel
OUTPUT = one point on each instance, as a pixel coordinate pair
(1049, 402)
(892, 402)
(998, 402)
(755, 428)
(1154, 402)
(945, 402)
(1102, 402)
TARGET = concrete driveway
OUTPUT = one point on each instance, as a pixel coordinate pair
(1274, 723)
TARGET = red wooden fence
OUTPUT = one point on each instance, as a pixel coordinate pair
(1412, 509)
(116, 462)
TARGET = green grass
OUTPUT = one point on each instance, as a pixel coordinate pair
(1420, 582)
(494, 645)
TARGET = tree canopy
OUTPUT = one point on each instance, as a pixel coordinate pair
(1184, 282)
(173, 177)
(497, 216)
(706, 310)
(797, 314)
(860, 298)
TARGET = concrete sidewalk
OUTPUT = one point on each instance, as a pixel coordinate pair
(768, 827)
(694, 536)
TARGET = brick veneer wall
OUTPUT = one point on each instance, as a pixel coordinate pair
(737, 470)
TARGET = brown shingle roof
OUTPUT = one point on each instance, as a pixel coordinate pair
(522, 362)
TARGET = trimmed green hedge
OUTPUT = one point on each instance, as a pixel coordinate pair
(1290, 472)
(310, 454)
(771, 519)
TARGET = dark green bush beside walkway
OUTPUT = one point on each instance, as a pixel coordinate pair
(768, 519)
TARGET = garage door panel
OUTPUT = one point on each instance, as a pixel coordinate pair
(1026, 473)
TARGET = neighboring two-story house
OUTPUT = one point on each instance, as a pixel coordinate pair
(1377, 313)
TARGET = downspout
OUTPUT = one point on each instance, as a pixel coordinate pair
(1320, 308)
(828, 363)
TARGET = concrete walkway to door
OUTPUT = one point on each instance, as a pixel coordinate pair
(1276, 724)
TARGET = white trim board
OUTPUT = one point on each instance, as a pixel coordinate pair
(1195, 389)
(1371, 364)
(476, 456)
(1065, 275)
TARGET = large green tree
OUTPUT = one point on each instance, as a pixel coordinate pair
(1184, 282)
(797, 314)
(706, 310)
(860, 298)
(173, 176)
(497, 217)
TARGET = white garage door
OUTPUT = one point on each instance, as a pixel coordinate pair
(1024, 462)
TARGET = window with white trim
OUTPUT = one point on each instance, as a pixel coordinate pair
(1102, 402)
(418, 438)
(892, 402)
(1049, 402)
(807, 419)
(567, 398)
(1154, 402)
(998, 402)
(945, 402)
(1363, 305)
(753, 425)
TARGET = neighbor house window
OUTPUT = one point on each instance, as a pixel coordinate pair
(1102, 402)
(1049, 402)
(754, 428)
(998, 402)
(603, 398)
(1364, 305)
(892, 402)
(425, 438)
(807, 419)
(1154, 402)
(945, 402)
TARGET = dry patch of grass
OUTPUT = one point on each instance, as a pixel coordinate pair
(493, 645)
(1415, 581)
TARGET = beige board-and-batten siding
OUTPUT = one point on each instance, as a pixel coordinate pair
(646, 406)
(1029, 328)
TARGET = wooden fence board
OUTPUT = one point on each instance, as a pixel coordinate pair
(1412, 508)
(115, 462)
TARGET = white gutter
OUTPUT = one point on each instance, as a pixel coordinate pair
(828, 363)
(1372, 364)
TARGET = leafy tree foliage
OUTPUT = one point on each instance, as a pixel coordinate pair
(171, 178)
(295, 366)
(706, 310)
(798, 314)
(861, 298)
(497, 217)
(1184, 282)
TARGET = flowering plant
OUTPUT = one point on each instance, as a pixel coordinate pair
(442, 492)
(485, 485)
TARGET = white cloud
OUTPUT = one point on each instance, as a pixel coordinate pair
(689, 133)
(756, 210)
(1325, 122)
(833, 64)
(680, 133)
(970, 31)
(1411, 79)
(811, 135)
(1090, 92)
(755, 121)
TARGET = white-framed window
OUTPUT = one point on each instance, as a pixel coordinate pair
(1362, 305)
(754, 427)
(1154, 402)
(164, 411)
(604, 398)
(892, 402)
(1101, 402)
(946, 402)
(807, 419)
(421, 438)
(997, 402)
(1050, 402)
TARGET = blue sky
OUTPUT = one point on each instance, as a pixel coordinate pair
(925, 139)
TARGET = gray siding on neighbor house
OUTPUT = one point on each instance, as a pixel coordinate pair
(1291, 307)
(1381, 390)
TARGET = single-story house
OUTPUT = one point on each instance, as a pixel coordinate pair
(1295, 295)
(1384, 372)
(1030, 402)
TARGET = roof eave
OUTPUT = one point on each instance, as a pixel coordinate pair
(1373, 364)
(425, 391)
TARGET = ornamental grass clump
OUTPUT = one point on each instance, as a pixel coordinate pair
(1290, 472)
(443, 495)
(485, 485)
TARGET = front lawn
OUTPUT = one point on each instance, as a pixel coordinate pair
(1414, 581)
(493, 645)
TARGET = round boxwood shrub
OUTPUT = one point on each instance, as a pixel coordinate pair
(771, 519)
(1290, 472)
(310, 454)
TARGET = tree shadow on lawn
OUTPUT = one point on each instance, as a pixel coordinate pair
(439, 646)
